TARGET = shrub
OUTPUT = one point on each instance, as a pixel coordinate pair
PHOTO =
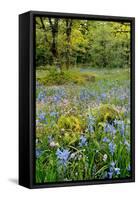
(54, 76)
(105, 112)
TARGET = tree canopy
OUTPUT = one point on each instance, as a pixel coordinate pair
(66, 43)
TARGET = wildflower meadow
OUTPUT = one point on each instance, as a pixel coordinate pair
(82, 108)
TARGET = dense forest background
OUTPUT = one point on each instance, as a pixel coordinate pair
(67, 43)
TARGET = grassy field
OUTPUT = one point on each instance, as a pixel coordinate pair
(82, 124)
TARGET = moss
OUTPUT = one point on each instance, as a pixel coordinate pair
(71, 128)
(71, 138)
(105, 112)
(69, 123)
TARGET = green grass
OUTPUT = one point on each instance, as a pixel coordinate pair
(55, 77)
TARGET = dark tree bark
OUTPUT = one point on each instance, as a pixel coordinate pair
(54, 31)
(68, 39)
(43, 27)
(104, 56)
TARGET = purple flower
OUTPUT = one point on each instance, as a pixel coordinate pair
(112, 147)
(37, 121)
(113, 170)
(83, 141)
(90, 128)
(42, 117)
(127, 145)
(62, 156)
(117, 122)
(112, 164)
(117, 171)
(56, 98)
(61, 92)
(38, 153)
(91, 121)
(54, 114)
(122, 97)
(41, 96)
(110, 129)
(84, 95)
(103, 96)
(122, 131)
(110, 175)
(105, 139)
(121, 126)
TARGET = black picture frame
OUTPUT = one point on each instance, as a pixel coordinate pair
(27, 98)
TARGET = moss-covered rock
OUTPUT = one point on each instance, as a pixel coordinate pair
(70, 128)
(70, 123)
(105, 112)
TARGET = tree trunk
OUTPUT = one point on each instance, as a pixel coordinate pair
(54, 31)
(68, 39)
(44, 30)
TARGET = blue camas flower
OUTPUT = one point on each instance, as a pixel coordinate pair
(110, 129)
(105, 139)
(122, 129)
(91, 121)
(56, 98)
(110, 175)
(122, 97)
(113, 170)
(38, 153)
(127, 145)
(54, 114)
(112, 164)
(117, 171)
(84, 95)
(112, 147)
(83, 141)
(41, 96)
(63, 156)
(42, 117)
(61, 92)
(103, 96)
(121, 126)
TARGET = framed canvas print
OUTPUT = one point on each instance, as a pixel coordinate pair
(76, 99)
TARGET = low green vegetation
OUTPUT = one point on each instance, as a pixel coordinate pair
(55, 77)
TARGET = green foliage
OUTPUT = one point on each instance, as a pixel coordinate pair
(100, 44)
(54, 76)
